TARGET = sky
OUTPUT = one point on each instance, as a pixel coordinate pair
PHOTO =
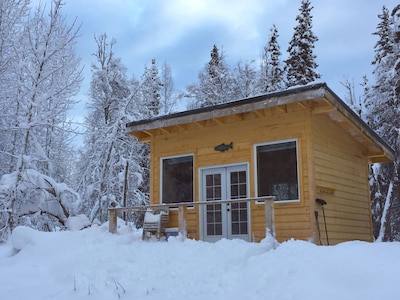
(181, 33)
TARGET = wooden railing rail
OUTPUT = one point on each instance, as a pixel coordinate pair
(268, 202)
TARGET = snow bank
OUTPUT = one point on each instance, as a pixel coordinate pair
(77, 222)
(94, 264)
(23, 236)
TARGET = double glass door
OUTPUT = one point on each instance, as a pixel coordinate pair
(225, 220)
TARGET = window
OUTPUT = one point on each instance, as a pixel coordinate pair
(177, 179)
(277, 171)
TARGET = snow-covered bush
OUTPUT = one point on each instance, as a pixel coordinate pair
(32, 199)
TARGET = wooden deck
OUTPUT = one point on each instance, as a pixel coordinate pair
(182, 209)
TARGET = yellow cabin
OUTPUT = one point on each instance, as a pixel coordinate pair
(304, 146)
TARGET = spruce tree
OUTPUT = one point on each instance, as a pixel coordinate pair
(151, 107)
(271, 67)
(384, 46)
(384, 117)
(215, 82)
(301, 65)
(151, 90)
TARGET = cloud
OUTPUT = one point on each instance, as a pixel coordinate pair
(163, 24)
(182, 32)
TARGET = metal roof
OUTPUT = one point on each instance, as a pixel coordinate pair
(318, 95)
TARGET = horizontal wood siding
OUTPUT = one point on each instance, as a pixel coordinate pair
(292, 219)
(341, 168)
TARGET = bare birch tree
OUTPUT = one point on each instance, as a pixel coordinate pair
(44, 81)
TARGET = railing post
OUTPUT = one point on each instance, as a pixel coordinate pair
(182, 220)
(112, 220)
(269, 215)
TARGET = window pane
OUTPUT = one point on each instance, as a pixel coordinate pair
(234, 192)
(217, 193)
(243, 228)
(235, 216)
(210, 193)
(177, 179)
(243, 215)
(243, 190)
(277, 171)
(234, 177)
(217, 179)
(209, 180)
(238, 185)
(218, 229)
(210, 229)
(235, 228)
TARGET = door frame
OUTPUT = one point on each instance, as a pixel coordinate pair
(202, 196)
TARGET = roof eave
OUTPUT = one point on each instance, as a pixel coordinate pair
(142, 129)
(288, 96)
(345, 110)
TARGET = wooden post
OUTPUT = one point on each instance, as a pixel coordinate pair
(125, 189)
(269, 216)
(112, 220)
(182, 220)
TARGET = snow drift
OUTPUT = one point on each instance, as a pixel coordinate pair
(94, 264)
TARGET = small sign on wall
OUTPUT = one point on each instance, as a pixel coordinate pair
(323, 190)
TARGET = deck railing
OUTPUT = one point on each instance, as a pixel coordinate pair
(182, 210)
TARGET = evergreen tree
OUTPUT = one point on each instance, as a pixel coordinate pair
(384, 117)
(151, 90)
(301, 66)
(271, 67)
(215, 82)
(384, 45)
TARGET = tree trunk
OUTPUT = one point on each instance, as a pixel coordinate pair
(385, 212)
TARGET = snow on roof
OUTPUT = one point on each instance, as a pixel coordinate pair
(309, 92)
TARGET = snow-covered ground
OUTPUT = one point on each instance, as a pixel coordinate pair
(94, 264)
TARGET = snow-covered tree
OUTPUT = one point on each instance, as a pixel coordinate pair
(110, 173)
(151, 90)
(245, 81)
(168, 100)
(300, 67)
(13, 15)
(355, 102)
(384, 117)
(384, 45)
(271, 78)
(41, 86)
(215, 82)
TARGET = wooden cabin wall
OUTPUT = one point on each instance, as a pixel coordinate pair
(341, 179)
(293, 219)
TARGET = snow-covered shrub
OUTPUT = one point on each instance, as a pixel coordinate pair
(32, 199)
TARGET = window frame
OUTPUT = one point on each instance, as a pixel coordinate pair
(162, 177)
(256, 171)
